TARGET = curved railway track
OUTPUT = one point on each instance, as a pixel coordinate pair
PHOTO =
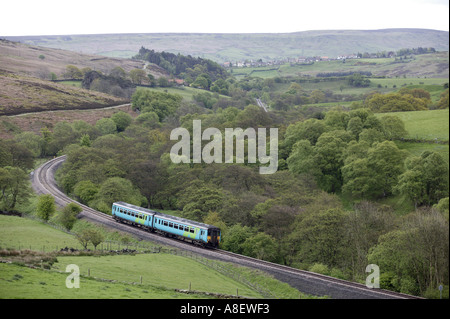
(311, 283)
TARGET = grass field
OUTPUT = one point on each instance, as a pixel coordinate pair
(431, 125)
(161, 273)
(158, 270)
(26, 283)
(417, 149)
(428, 125)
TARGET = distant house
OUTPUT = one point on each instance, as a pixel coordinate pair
(178, 82)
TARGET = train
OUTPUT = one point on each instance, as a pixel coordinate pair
(171, 226)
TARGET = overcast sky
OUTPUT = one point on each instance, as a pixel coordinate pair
(55, 17)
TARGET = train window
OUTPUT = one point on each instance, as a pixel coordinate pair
(165, 223)
(171, 225)
(186, 228)
(192, 230)
(175, 226)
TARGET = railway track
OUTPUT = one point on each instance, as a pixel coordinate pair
(311, 283)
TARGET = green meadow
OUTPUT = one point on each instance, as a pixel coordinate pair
(143, 275)
(431, 125)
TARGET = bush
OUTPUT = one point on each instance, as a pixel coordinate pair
(320, 269)
(45, 207)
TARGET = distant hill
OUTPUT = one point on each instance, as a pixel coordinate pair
(233, 47)
(41, 61)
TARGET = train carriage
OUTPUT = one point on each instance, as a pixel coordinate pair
(133, 215)
(172, 226)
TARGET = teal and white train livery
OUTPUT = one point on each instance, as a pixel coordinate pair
(171, 226)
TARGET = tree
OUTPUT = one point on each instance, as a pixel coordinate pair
(358, 179)
(83, 237)
(122, 120)
(106, 126)
(137, 76)
(46, 206)
(220, 86)
(393, 127)
(72, 72)
(385, 160)
(357, 80)
(364, 225)
(95, 237)
(199, 198)
(13, 153)
(118, 73)
(164, 82)
(261, 246)
(235, 238)
(443, 101)
(425, 180)
(329, 159)
(85, 191)
(149, 120)
(85, 140)
(302, 159)
(320, 237)
(310, 130)
(117, 189)
(317, 96)
(371, 172)
(163, 104)
(417, 253)
(395, 102)
(68, 216)
(31, 141)
(147, 177)
(14, 187)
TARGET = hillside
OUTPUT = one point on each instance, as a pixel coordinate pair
(21, 94)
(232, 47)
(40, 62)
(25, 72)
